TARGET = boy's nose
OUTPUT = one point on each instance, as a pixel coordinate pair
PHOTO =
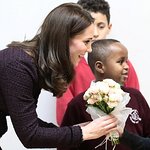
(126, 66)
(96, 33)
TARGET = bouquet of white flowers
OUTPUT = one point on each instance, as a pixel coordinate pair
(107, 97)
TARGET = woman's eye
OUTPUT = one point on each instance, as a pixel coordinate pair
(86, 42)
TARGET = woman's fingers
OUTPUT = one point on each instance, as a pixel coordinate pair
(99, 127)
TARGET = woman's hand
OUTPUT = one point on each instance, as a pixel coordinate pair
(99, 127)
(120, 131)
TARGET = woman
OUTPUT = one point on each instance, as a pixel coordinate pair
(47, 61)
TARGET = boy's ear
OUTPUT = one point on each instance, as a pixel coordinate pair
(99, 66)
(109, 27)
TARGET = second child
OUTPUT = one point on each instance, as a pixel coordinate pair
(108, 59)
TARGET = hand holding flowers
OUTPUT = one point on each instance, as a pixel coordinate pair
(107, 97)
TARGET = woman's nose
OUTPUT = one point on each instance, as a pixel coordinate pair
(89, 50)
(89, 47)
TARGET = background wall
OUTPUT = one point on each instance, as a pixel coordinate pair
(20, 20)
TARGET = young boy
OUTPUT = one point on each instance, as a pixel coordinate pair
(108, 59)
(100, 11)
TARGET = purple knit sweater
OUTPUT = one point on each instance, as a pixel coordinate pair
(19, 92)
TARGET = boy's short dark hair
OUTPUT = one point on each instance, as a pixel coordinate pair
(100, 51)
(96, 6)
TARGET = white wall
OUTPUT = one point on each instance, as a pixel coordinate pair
(21, 19)
(131, 25)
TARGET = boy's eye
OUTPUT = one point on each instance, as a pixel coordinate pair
(121, 62)
(101, 26)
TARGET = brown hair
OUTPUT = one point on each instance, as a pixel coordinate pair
(50, 47)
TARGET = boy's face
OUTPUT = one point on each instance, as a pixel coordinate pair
(102, 27)
(115, 65)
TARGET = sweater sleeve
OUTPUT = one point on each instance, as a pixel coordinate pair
(135, 142)
(19, 83)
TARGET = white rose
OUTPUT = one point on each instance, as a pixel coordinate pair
(103, 87)
(115, 97)
(112, 83)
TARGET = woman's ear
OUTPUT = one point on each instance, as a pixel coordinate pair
(99, 66)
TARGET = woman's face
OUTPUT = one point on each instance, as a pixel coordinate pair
(80, 44)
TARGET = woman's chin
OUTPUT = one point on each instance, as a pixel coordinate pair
(75, 63)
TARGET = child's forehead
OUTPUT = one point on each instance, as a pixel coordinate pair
(99, 16)
(115, 45)
(117, 48)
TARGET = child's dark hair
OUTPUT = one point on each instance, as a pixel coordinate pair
(100, 51)
(95, 6)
